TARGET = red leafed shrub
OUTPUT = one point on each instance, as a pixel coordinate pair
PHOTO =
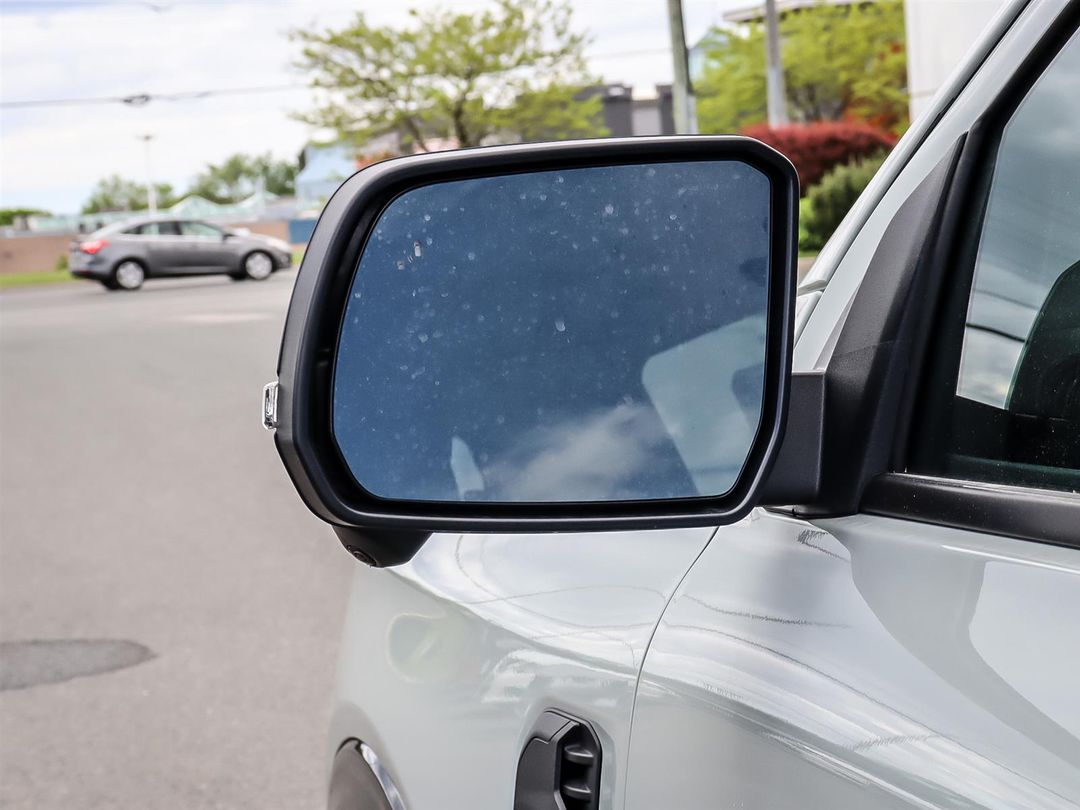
(816, 148)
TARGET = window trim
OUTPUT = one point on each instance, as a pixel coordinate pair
(1025, 512)
(159, 235)
(1020, 512)
(180, 223)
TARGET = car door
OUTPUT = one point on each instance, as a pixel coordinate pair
(164, 247)
(480, 638)
(922, 651)
(467, 645)
(205, 248)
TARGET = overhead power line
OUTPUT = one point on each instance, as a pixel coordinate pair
(140, 99)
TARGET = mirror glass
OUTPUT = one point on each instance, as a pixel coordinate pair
(589, 334)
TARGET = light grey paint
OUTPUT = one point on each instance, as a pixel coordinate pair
(863, 663)
(449, 660)
(857, 663)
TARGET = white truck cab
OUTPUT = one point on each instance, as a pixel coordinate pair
(646, 527)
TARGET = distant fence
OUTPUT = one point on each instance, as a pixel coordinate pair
(26, 254)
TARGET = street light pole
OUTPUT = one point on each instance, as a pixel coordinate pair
(776, 93)
(151, 190)
(682, 91)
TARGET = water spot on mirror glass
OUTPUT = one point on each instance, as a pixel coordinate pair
(541, 266)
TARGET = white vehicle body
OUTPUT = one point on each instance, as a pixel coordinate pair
(855, 661)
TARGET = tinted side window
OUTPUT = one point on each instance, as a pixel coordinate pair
(156, 229)
(1014, 416)
(199, 229)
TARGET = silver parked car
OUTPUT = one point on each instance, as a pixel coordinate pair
(123, 255)
(644, 525)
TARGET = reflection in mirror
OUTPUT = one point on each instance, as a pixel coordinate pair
(592, 334)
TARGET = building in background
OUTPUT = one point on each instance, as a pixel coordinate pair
(939, 33)
(626, 116)
(757, 13)
(325, 166)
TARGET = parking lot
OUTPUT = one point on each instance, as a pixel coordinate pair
(169, 610)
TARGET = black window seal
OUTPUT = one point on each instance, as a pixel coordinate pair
(1020, 512)
(1017, 511)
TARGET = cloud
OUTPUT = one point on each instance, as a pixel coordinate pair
(51, 157)
(591, 457)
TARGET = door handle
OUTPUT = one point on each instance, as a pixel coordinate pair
(559, 768)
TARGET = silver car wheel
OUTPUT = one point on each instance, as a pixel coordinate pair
(258, 266)
(130, 275)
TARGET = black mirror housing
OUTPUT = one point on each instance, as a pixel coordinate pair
(381, 528)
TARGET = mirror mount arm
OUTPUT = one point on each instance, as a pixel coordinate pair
(796, 475)
(381, 548)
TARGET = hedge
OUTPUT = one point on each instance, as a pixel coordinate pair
(817, 148)
(821, 211)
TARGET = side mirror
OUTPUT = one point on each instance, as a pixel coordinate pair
(580, 336)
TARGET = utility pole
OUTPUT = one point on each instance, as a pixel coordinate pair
(151, 190)
(682, 91)
(776, 93)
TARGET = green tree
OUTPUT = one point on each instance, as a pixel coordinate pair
(839, 61)
(8, 215)
(829, 201)
(516, 70)
(115, 193)
(239, 176)
(731, 94)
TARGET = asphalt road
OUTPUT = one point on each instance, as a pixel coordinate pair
(169, 610)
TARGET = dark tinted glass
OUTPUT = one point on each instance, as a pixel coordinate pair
(199, 229)
(154, 229)
(582, 335)
(1015, 416)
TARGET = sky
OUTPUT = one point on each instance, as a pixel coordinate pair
(51, 157)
